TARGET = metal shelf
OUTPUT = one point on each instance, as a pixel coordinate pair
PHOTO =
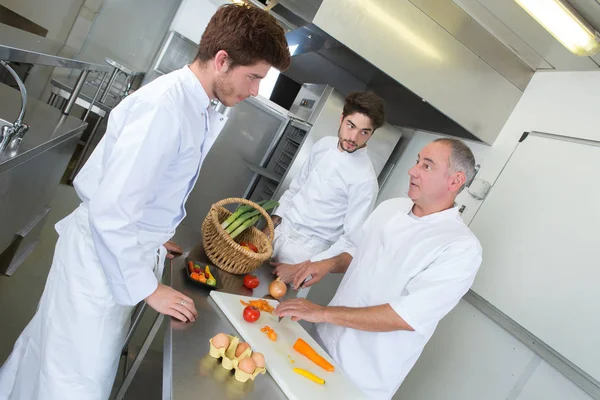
(14, 54)
(263, 172)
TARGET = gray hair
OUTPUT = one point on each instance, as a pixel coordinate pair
(461, 158)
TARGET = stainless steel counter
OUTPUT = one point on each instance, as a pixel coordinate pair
(30, 174)
(48, 127)
(188, 371)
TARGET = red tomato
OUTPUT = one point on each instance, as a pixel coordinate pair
(251, 314)
(251, 281)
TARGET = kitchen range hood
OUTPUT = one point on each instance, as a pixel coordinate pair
(454, 93)
(319, 58)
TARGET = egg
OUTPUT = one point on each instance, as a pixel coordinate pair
(247, 365)
(241, 348)
(259, 359)
(220, 341)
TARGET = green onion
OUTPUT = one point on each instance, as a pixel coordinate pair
(245, 226)
(239, 221)
(241, 210)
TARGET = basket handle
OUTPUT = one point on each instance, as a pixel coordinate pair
(231, 200)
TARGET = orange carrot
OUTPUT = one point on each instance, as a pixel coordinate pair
(271, 334)
(191, 267)
(261, 304)
(304, 348)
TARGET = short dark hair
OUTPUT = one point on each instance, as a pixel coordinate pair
(365, 103)
(248, 34)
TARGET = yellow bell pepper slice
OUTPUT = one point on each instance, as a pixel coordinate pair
(210, 275)
(309, 375)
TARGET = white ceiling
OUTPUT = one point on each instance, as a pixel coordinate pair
(512, 26)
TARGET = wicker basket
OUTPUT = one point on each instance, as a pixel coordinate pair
(223, 251)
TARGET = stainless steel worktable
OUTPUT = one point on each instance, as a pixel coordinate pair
(188, 371)
(30, 173)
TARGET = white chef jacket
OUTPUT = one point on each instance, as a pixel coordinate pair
(331, 197)
(421, 267)
(137, 180)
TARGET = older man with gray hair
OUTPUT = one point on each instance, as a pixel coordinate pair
(408, 266)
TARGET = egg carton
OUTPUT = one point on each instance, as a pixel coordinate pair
(230, 361)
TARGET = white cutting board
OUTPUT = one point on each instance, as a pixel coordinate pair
(278, 355)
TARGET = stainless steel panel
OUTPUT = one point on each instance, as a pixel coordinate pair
(307, 102)
(410, 47)
(30, 173)
(503, 33)
(129, 32)
(24, 244)
(27, 189)
(474, 36)
(528, 29)
(322, 59)
(246, 137)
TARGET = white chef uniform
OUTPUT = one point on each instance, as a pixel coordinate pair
(110, 251)
(326, 202)
(421, 267)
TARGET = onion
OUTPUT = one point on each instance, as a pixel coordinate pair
(277, 289)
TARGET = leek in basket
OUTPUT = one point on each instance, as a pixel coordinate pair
(245, 217)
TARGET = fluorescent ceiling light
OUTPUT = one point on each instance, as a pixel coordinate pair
(564, 24)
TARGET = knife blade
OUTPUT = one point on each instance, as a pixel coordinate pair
(308, 278)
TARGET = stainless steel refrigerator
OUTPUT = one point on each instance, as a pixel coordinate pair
(263, 146)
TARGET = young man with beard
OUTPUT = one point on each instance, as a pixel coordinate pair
(332, 195)
(111, 249)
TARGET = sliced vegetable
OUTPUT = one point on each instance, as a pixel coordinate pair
(211, 282)
(249, 246)
(261, 304)
(198, 277)
(304, 348)
(271, 334)
(210, 275)
(309, 375)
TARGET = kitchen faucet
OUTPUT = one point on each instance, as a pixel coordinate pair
(18, 128)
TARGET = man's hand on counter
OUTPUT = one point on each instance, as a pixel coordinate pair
(301, 309)
(169, 301)
(173, 250)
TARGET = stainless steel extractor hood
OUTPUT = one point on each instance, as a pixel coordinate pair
(319, 58)
(474, 106)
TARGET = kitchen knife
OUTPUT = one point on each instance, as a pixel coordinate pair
(308, 278)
